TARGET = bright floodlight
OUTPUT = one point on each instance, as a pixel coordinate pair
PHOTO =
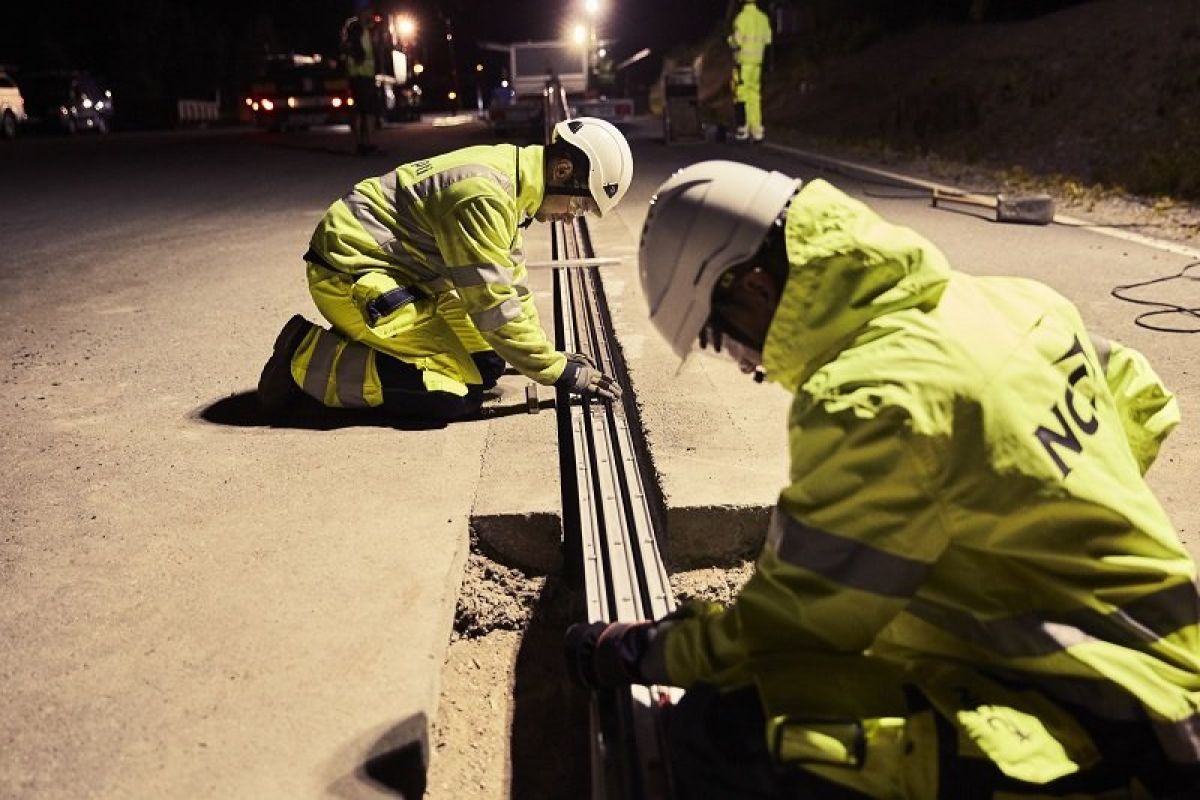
(592, 7)
(580, 34)
(406, 27)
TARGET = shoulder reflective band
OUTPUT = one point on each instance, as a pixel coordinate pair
(390, 301)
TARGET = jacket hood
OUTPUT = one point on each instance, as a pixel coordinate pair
(847, 268)
(531, 180)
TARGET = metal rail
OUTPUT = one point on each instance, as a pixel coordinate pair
(610, 513)
(612, 516)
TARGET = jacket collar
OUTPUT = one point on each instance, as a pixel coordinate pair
(847, 269)
(531, 179)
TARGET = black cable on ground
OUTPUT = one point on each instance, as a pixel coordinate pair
(1162, 307)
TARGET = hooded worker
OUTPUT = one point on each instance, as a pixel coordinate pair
(422, 274)
(749, 39)
(967, 587)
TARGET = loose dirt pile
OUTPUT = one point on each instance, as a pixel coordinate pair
(509, 723)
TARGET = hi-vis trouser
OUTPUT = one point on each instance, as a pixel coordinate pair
(941, 731)
(747, 97)
(428, 329)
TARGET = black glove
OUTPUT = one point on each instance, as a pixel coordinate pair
(581, 376)
(604, 655)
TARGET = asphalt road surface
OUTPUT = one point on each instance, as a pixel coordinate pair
(195, 602)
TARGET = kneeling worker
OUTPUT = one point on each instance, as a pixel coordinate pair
(967, 589)
(422, 275)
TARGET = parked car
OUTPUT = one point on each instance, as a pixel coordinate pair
(12, 106)
(67, 102)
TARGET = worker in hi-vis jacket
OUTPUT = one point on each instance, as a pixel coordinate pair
(967, 588)
(421, 274)
(749, 40)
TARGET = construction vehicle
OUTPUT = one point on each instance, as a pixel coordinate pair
(300, 90)
(517, 108)
(297, 91)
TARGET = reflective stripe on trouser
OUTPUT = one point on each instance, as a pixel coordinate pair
(747, 90)
(434, 334)
(337, 372)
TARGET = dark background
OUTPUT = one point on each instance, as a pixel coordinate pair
(151, 52)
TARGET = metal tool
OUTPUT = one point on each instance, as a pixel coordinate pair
(1033, 209)
(574, 263)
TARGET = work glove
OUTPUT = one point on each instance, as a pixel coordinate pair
(604, 655)
(581, 376)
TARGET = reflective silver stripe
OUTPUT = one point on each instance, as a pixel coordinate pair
(1145, 620)
(316, 377)
(352, 374)
(364, 214)
(843, 560)
(493, 318)
(438, 182)
(389, 184)
(409, 231)
(481, 275)
(1103, 351)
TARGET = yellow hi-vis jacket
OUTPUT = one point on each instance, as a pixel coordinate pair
(751, 35)
(449, 223)
(966, 490)
(366, 67)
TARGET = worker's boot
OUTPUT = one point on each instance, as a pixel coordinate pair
(276, 386)
(491, 366)
(739, 119)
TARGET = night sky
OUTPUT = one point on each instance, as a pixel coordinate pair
(151, 51)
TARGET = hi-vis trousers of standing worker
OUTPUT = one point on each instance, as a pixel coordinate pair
(747, 96)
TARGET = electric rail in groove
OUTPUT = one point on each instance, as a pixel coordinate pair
(610, 539)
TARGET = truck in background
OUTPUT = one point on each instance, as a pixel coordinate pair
(300, 90)
(516, 108)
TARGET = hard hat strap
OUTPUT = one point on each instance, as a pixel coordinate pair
(570, 191)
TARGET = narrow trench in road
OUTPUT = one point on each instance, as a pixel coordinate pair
(509, 723)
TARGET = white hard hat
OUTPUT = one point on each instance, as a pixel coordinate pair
(611, 162)
(703, 220)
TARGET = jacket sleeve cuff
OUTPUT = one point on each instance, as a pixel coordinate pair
(653, 665)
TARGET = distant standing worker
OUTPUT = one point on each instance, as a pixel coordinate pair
(360, 69)
(750, 37)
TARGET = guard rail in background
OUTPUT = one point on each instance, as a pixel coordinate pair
(197, 112)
